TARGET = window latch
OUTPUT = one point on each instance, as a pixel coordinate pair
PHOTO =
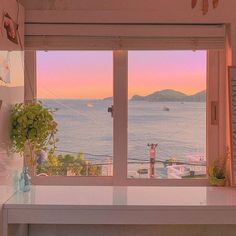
(214, 113)
(110, 110)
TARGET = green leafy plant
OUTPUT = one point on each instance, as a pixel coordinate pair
(218, 171)
(32, 129)
(61, 165)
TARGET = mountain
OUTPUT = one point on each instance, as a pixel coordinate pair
(198, 97)
(170, 95)
(108, 99)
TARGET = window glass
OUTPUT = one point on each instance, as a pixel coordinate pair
(78, 86)
(167, 114)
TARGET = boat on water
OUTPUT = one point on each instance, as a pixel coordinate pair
(166, 108)
(89, 105)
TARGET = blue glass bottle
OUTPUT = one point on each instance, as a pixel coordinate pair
(25, 180)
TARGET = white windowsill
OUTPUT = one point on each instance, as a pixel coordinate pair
(123, 205)
(126, 196)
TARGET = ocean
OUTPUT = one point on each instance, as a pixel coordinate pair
(86, 126)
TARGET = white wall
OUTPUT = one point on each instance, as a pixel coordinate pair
(10, 165)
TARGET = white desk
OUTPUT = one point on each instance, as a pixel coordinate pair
(121, 205)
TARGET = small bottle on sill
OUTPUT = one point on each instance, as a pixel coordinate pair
(25, 180)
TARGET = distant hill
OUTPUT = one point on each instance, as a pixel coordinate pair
(198, 97)
(108, 99)
(170, 95)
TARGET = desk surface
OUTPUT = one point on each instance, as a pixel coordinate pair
(123, 196)
(122, 205)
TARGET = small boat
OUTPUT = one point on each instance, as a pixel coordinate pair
(89, 105)
(166, 108)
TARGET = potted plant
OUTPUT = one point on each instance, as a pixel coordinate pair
(32, 131)
(218, 171)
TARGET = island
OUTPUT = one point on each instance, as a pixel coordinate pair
(170, 95)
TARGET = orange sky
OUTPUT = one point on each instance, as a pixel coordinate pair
(88, 74)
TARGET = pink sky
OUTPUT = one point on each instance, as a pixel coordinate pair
(88, 74)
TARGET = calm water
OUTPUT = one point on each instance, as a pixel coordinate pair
(86, 126)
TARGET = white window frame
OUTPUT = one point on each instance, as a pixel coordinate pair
(216, 126)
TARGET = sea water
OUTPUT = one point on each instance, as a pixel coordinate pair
(86, 126)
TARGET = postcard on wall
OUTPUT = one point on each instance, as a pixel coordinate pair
(5, 67)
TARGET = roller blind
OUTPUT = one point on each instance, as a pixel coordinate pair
(124, 36)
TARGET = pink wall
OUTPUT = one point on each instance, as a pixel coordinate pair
(10, 7)
(10, 93)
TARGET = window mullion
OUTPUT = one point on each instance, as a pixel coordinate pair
(30, 76)
(120, 114)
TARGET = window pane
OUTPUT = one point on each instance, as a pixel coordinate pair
(167, 114)
(78, 85)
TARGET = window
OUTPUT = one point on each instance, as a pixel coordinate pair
(167, 114)
(77, 85)
(206, 133)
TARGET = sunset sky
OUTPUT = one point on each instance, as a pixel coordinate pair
(88, 74)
